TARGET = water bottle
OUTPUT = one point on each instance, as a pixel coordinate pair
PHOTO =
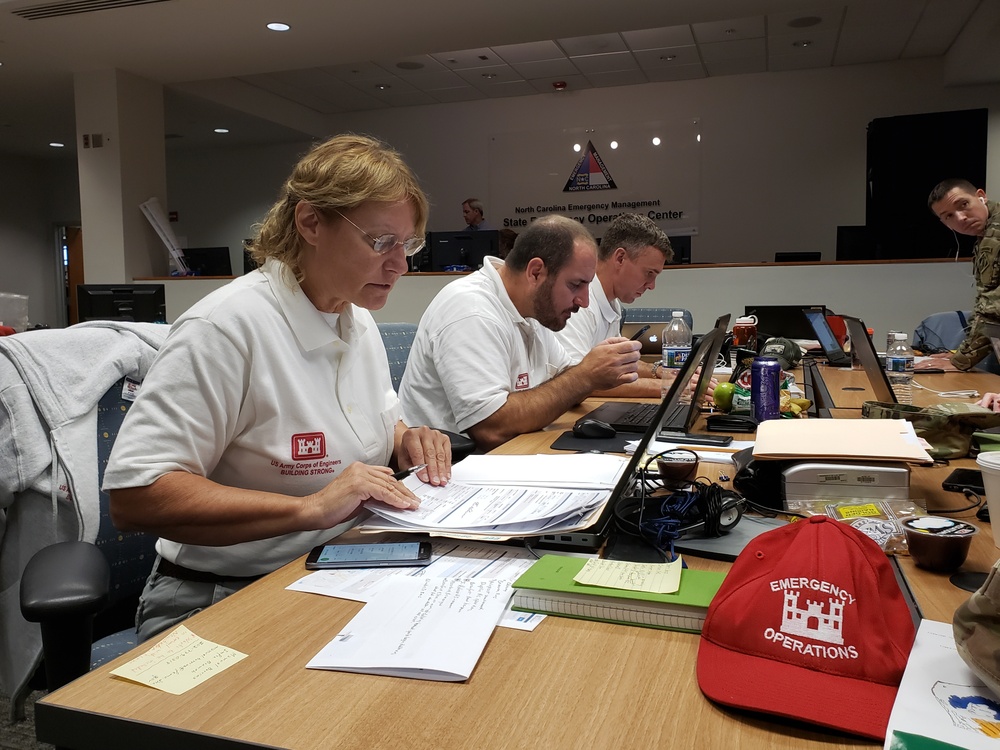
(676, 345)
(899, 369)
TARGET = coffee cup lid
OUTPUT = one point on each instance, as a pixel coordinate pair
(939, 526)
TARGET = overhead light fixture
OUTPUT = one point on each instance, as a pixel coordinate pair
(277, 26)
(222, 130)
(56, 144)
(489, 76)
(668, 58)
(614, 144)
(383, 86)
(656, 140)
(802, 43)
(576, 147)
(409, 65)
(559, 85)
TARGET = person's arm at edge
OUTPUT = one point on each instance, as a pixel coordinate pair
(607, 365)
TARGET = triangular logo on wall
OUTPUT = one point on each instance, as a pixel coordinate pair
(590, 173)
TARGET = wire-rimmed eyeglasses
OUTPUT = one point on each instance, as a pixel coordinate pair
(386, 242)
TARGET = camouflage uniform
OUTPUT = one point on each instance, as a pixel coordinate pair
(977, 631)
(986, 266)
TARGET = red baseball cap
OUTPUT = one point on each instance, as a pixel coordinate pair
(809, 624)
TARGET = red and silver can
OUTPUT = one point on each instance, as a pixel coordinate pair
(765, 388)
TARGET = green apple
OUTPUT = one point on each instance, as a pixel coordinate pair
(723, 395)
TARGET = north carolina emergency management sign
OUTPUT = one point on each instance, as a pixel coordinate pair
(590, 173)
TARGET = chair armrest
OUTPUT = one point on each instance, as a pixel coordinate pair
(63, 586)
(461, 446)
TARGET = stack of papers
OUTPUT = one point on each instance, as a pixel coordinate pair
(501, 497)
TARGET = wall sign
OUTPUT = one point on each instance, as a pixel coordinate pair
(594, 174)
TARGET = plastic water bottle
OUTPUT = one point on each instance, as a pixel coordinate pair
(676, 345)
(899, 369)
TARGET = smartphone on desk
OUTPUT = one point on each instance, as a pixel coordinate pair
(965, 479)
(371, 555)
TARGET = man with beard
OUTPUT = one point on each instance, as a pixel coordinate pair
(485, 361)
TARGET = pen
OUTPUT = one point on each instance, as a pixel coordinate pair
(406, 472)
(637, 334)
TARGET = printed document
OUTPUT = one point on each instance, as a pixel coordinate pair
(426, 629)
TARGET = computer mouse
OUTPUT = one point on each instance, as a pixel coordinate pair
(593, 428)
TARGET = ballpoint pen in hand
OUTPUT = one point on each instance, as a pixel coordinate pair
(406, 472)
(637, 334)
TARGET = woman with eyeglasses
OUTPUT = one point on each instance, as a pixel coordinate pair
(269, 417)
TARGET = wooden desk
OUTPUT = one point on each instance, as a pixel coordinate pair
(569, 684)
(849, 388)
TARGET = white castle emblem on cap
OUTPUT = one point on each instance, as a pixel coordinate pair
(813, 621)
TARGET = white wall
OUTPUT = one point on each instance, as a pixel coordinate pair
(783, 153)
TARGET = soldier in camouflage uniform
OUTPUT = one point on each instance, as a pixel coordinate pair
(977, 631)
(964, 209)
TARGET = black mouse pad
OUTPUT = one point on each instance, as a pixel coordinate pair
(569, 442)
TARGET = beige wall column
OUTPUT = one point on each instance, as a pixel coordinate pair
(121, 159)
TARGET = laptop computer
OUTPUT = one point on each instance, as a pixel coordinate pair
(862, 346)
(832, 350)
(650, 338)
(593, 537)
(787, 321)
(625, 416)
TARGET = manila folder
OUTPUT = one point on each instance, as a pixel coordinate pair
(885, 439)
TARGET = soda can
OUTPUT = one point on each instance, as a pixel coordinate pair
(765, 388)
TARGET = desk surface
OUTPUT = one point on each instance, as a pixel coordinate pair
(569, 684)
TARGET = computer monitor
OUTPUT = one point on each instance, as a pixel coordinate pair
(208, 261)
(143, 303)
(461, 251)
(681, 245)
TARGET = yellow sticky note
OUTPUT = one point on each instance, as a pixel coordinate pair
(179, 662)
(656, 578)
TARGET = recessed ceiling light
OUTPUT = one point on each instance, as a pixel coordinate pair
(614, 144)
(56, 144)
(804, 22)
(222, 130)
(576, 147)
(802, 43)
(668, 58)
(656, 140)
(489, 76)
(276, 26)
(382, 86)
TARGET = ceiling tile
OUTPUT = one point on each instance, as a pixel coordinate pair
(736, 67)
(938, 27)
(408, 98)
(546, 69)
(509, 88)
(410, 66)
(668, 57)
(720, 31)
(877, 32)
(608, 63)
(819, 44)
(593, 45)
(489, 76)
(434, 79)
(668, 36)
(458, 94)
(800, 21)
(735, 50)
(529, 52)
(469, 58)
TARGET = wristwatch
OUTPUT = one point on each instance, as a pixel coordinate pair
(656, 367)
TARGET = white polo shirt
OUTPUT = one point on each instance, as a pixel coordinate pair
(472, 349)
(255, 388)
(589, 326)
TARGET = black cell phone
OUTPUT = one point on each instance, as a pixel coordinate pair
(637, 334)
(371, 555)
(965, 479)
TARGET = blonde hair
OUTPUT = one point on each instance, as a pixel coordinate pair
(341, 173)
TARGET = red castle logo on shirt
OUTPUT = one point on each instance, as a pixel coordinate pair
(308, 445)
(522, 382)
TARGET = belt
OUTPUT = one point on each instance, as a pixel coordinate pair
(167, 568)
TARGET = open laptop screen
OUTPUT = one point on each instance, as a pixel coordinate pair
(834, 354)
(862, 346)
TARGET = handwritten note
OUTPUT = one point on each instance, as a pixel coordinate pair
(656, 578)
(179, 662)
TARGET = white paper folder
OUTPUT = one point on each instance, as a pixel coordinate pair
(848, 439)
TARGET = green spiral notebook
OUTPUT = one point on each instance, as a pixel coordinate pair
(548, 587)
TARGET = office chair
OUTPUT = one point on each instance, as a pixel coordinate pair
(398, 338)
(655, 315)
